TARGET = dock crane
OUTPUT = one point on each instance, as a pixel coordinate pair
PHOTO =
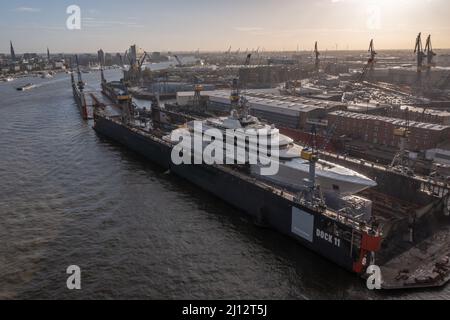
(401, 160)
(141, 62)
(430, 54)
(418, 50)
(311, 195)
(373, 54)
(235, 96)
(126, 57)
(121, 60)
(80, 79)
(180, 63)
(137, 65)
(371, 62)
(135, 69)
(247, 60)
(317, 57)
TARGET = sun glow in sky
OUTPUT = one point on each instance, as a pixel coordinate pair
(161, 25)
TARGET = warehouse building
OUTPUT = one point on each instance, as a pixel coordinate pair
(380, 130)
(284, 111)
(281, 113)
(421, 115)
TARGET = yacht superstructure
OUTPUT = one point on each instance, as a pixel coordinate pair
(238, 135)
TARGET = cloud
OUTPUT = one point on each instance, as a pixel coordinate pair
(27, 9)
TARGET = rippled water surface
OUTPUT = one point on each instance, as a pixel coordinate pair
(69, 197)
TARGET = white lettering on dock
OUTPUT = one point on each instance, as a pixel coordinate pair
(335, 241)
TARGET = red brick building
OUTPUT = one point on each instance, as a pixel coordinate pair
(380, 130)
(421, 115)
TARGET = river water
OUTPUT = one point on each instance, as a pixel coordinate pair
(70, 197)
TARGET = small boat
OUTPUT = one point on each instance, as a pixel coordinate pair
(28, 86)
(46, 76)
(9, 79)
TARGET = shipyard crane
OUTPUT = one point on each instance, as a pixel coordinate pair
(180, 64)
(235, 96)
(400, 161)
(120, 59)
(317, 57)
(418, 50)
(126, 57)
(429, 53)
(228, 51)
(80, 79)
(311, 193)
(247, 60)
(370, 63)
(373, 54)
(137, 65)
(197, 103)
(141, 61)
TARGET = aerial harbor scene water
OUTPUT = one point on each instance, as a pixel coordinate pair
(271, 156)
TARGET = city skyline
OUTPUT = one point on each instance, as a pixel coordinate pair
(198, 24)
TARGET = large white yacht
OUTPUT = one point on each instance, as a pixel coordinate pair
(293, 169)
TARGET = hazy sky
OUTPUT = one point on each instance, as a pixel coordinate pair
(161, 25)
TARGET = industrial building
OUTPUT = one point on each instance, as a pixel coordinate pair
(287, 112)
(381, 130)
(421, 114)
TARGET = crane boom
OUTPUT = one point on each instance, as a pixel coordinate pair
(141, 62)
(180, 64)
(317, 55)
(373, 54)
(419, 51)
(429, 53)
(247, 61)
(80, 79)
(370, 62)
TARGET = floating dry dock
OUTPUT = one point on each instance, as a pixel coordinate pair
(337, 236)
(411, 251)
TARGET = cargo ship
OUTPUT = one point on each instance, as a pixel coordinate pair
(343, 236)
